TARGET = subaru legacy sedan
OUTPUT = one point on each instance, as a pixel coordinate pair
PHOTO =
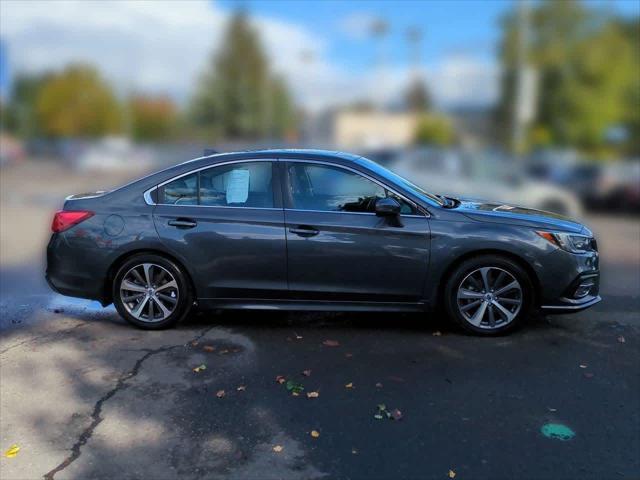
(314, 230)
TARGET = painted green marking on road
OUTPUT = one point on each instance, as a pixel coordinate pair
(557, 431)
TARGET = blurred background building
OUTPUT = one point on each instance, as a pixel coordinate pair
(525, 101)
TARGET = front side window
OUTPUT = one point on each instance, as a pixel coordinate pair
(244, 184)
(334, 189)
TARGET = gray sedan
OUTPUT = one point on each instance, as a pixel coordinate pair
(314, 230)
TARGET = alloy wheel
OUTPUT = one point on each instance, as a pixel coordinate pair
(149, 292)
(489, 298)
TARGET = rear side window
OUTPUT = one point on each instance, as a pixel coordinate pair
(238, 185)
(244, 184)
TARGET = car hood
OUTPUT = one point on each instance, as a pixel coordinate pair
(516, 215)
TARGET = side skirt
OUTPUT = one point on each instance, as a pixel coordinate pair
(310, 305)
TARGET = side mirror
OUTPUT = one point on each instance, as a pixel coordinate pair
(388, 207)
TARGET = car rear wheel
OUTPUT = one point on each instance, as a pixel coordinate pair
(488, 295)
(151, 292)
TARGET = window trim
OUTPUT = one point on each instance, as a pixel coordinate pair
(275, 185)
(423, 212)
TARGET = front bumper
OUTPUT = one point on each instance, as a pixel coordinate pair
(572, 307)
(582, 293)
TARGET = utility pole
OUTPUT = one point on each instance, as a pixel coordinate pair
(525, 95)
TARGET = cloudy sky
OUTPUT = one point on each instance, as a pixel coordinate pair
(322, 48)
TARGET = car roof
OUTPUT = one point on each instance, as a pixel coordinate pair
(276, 153)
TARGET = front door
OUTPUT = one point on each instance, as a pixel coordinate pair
(339, 249)
(227, 225)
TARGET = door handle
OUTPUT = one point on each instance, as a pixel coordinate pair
(304, 231)
(183, 223)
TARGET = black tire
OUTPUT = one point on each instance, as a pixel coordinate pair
(161, 266)
(497, 264)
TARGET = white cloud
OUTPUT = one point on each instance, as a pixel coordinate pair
(162, 47)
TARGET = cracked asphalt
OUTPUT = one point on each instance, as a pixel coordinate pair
(86, 396)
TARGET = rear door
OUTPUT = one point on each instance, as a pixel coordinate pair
(226, 223)
(339, 249)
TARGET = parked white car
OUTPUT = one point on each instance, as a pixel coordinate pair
(482, 177)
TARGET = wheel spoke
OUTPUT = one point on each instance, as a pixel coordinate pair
(131, 298)
(465, 293)
(170, 284)
(137, 312)
(151, 312)
(470, 305)
(165, 311)
(136, 274)
(167, 298)
(132, 287)
(499, 279)
(479, 315)
(511, 286)
(507, 314)
(484, 272)
(147, 273)
(492, 317)
(509, 301)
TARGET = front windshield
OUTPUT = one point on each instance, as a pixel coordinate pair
(403, 182)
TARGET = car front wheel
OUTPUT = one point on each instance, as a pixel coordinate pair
(151, 292)
(488, 295)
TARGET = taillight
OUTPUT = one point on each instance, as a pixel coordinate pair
(65, 219)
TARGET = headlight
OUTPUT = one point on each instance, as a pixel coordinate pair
(570, 242)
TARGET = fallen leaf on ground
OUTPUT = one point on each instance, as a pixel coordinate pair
(621, 339)
(294, 387)
(235, 350)
(199, 368)
(452, 474)
(13, 451)
(583, 366)
(295, 394)
(280, 379)
(378, 385)
(220, 394)
(588, 375)
(298, 337)
(437, 333)
(241, 388)
(349, 385)
(306, 373)
(552, 409)
(354, 451)
(224, 352)
(348, 355)
(313, 394)
(277, 448)
(208, 348)
(396, 414)
(331, 343)
(315, 433)
(194, 343)
(377, 416)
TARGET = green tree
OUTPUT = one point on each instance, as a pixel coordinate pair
(19, 114)
(152, 118)
(78, 103)
(238, 96)
(417, 96)
(434, 130)
(586, 66)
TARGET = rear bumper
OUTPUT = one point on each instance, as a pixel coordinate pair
(69, 271)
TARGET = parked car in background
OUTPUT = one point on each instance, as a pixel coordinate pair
(482, 176)
(314, 230)
(113, 153)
